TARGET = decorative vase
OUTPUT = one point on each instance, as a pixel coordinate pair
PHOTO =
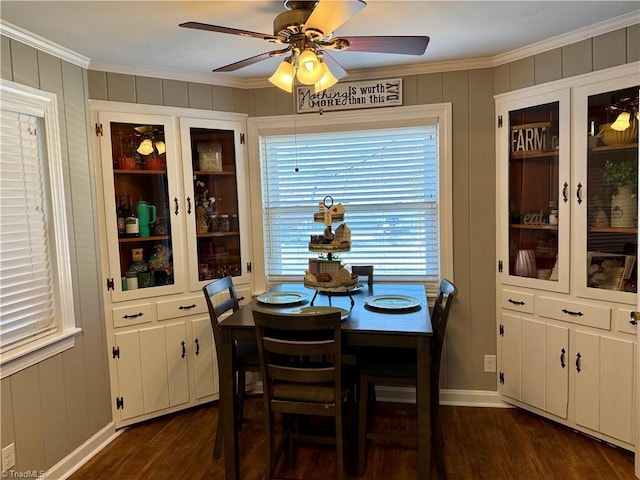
(624, 208)
(526, 263)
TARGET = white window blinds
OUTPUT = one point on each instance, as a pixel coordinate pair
(26, 287)
(387, 180)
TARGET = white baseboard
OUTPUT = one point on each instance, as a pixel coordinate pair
(458, 398)
(81, 455)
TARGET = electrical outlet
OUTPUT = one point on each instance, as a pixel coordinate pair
(490, 363)
(8, 457)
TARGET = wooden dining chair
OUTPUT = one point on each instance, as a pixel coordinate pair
(398, 367)
(302, 374)
(364, 271)
(245, 352)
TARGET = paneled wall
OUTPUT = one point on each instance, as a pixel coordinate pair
(51, 408)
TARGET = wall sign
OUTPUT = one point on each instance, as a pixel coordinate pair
(350, 96)
(530, 137)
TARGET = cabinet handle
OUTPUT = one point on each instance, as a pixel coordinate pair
(634, 318)
(569, 312)
(579, 193)
(175, 200)
(516, 302)
(578, 362)
(187, 307)
(562, 353)
(197, 347)
(565, 192)
(188, 205)
(135, 315)
(184, 349)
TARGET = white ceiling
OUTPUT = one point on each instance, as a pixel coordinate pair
(143, 36)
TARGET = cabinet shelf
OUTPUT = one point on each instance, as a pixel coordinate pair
(534, 154)
(609, 148)
(621, 230)
(522, 226)
(218, 234)
(212, 173)
(154, 238)
(139, 172)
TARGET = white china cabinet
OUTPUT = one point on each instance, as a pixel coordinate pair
(567, 246)
(173, 216)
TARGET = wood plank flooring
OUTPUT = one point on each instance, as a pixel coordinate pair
(480, 443)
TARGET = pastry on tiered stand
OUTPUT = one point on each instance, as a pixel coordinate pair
(327, 274)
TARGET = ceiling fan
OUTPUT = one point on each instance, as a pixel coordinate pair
(307, 29)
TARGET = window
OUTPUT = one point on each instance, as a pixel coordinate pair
(390, 171)
(36, 313)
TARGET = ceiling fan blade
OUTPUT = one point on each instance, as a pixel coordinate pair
(406, 45)
(329, 15)
(251, 60)
(337, 70)
(232, 31)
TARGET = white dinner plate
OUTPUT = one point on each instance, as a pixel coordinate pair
(283, 298)
(344, 314)
(392, 302)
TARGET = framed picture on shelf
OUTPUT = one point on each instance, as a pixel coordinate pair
(607, 270)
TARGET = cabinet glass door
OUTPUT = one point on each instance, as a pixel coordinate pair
(612, 178)
(536, 198)
(137, 183)
(214, 165)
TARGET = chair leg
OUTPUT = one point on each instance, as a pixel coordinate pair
(339, 446)
(217, 444)
(270, 467)
(363, 399)
(242, 382)
(437, 438)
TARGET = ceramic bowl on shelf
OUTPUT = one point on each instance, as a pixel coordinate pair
(615, 137)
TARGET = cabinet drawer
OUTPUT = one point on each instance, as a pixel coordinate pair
(574, 312)
(182, 307)
(133, 315)
(518, 301)
(622, 322)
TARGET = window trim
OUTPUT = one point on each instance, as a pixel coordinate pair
(365, 119)
(28, 100)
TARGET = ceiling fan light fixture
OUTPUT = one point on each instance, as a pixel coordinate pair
(161, 147)
(622, 122)
(327, 80)
(309, 68)
(283, 77)
(145, 147)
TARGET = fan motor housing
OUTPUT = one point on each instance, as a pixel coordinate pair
(290, 22)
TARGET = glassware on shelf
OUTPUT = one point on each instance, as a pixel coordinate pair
(533, 191)
(612, 203)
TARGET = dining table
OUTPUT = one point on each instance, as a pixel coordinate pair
(370, 321)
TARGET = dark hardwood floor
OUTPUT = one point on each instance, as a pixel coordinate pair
(480, 443)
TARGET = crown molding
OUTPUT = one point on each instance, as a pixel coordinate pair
(558, 41)
(623, 21)
(31, 39)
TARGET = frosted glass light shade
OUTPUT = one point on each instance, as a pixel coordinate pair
(622, 122)
(146, 147)
(161, 147)
(283, 76)
(326, 81)
(309, 68)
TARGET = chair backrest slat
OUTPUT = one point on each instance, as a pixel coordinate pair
(301, 375)
(231, 303)
(298, 347)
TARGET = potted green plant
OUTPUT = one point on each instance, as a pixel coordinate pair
(622, 178)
